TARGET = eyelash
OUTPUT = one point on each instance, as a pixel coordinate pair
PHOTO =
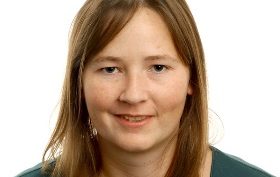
(104, 69)
(153, 66)
(164, 68)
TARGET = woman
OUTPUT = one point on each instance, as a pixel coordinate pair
(134, 101)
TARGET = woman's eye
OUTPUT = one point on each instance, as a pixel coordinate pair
(159, 68)
(109, 70)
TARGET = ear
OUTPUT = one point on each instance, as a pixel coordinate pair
(190, 89)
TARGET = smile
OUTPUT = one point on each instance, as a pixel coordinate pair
(134, 119)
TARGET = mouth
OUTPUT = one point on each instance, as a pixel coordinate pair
(133, 121)
(133, 118)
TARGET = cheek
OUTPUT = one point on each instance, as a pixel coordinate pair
(97, 97)
(172, 98)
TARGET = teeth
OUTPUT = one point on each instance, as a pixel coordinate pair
(133, 119)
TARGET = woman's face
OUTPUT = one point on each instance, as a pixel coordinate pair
(135, 89)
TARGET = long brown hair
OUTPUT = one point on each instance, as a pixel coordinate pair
(96, 24)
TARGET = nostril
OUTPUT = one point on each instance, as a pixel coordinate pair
(133, 97)
(134, 91)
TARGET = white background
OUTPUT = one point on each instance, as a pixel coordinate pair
(241, 40)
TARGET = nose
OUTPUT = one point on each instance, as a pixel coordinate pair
(134, 90)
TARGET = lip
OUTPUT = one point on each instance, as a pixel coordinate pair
(133, 115)
(130, 124)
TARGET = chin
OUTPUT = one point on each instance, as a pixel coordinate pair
(135, 147)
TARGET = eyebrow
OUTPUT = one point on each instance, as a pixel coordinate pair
(148, 58)
(161, 57)
(106, 58)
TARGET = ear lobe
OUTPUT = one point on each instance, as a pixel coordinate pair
(190, 89)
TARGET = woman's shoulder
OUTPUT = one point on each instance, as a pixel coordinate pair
(36, 171)
(224, 164)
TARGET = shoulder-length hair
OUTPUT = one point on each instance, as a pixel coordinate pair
(96, 24)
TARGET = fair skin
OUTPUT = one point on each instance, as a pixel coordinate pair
(135, 91)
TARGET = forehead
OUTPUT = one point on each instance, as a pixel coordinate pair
(115, 59)
(146, 34)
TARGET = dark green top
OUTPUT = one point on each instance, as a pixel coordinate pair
(223, 165)
(226, 165)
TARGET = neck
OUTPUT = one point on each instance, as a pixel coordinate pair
(205, 171)
(150, 163)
